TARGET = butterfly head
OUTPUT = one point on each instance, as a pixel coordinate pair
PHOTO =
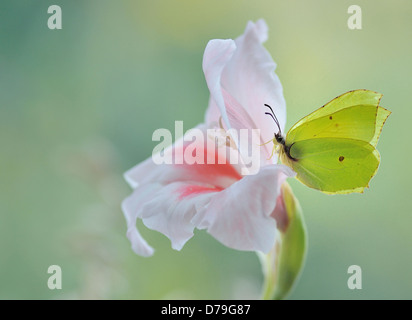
(278, 136)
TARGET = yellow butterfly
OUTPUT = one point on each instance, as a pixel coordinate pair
(333, 149)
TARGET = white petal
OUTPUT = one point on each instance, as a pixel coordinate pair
(131, 207)
(239, 216)
(240, 119)
(216, 56)
(250, 79)
(171, 209)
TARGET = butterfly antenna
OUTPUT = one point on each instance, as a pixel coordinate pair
(273, 117)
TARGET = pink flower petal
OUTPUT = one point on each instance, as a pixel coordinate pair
(193, 190)
(240, 216)
(215, 170)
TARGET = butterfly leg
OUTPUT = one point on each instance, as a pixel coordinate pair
(273, 151)
(266, 142)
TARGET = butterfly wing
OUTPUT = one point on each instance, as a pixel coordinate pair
(333, 149)
(381, 115)
(334, 165)
(348, 99)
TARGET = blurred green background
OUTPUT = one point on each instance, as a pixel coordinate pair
(78, 107)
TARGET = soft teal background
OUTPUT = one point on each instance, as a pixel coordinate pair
(78, 107)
